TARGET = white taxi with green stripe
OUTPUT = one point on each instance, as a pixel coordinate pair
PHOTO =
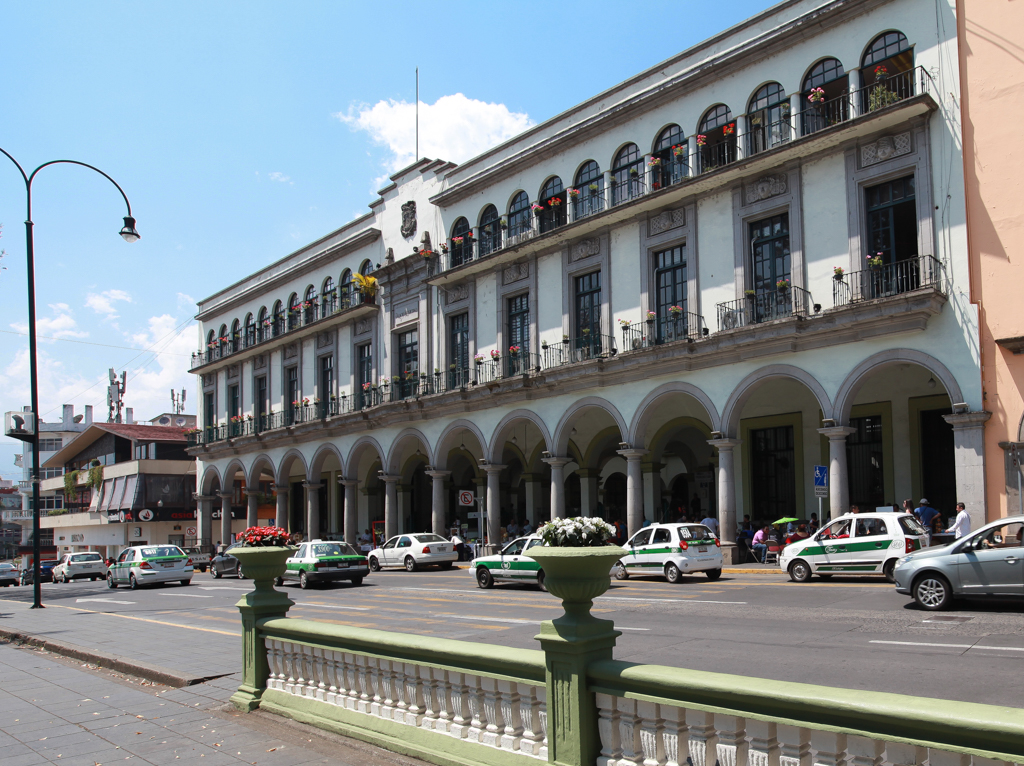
(325, 561)
(510, 565)
(671, 550)
(150, 564)
(857, 543)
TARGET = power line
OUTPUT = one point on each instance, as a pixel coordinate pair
(89, 343)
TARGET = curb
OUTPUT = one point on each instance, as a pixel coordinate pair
(740, 570)
(148, 672)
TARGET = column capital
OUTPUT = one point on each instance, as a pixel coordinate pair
(251, 492)
(633, 454)
(281, 488)
(348, 482)
(725, 443)
(312, 484)
(226, 495)
(556, 462)
(837, 432)
(200, 497)
(389, 479)
(967, 419)
(438, 474)
(493, 468)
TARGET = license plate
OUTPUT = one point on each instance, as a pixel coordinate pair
(167, 564)
(341, 566)
(702, 549)
(442, 549)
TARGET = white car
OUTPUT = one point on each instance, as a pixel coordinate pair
(510, 565)
(80, 566)
(672, 550)
(149, 564)
(861, 543)
(412, 552)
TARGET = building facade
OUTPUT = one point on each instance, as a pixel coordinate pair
(679, 296)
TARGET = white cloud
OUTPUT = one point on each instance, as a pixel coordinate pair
(280, 178)
(61, 325)
(186, 301)
(149, 387)
(56, 384)
(103, 303)
(454, 128)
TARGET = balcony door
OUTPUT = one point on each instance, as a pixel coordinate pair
(670, 279)
(588, 313)
(458, 351)
(518, 333)
(770, 264)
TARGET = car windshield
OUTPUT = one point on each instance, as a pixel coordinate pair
(86, 557)
(911, 526)
(332, 549)
(695, 532)
(162, 550)
(429, 538)
(6, 566)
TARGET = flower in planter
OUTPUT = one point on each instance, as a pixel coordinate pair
(479, 358)
(651, 316)
(701, 139)
(469, 234)
(514, 349)
(750, 293)
(444, 248)
(881, 71)
(838, 272)
(728, 130)
(395, 378)
(536, 208)
(456, 240)
(624, 322)
(634, 172)
(574, 193)
(264, 537)
(503, 223)
(564, 337)
(305, 402)
(555, 201)
(578, 532)
(816, 96)
(426, 253)
(451, 367)
(585, 331)
(679, 151)
(655, 161)
(595, 188)
(367, 386)
(495, 354)
(876, 261)
(782, 284)
(675, 310)
(543, 344)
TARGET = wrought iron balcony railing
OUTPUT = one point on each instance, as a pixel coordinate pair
(764, 306)
(654, 332)
(572, 350)
(887, 280)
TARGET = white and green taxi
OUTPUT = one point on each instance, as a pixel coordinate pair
(671, 550)
(148, 565)
(510, 565)
(860, 543)
(325, 561)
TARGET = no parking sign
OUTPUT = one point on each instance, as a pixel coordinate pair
(190, 532)
(466, 497)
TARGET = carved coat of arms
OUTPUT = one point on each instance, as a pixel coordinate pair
(408, 218)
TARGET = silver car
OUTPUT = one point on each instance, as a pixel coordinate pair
(987, 562)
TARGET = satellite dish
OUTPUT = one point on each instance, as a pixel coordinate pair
(181, 421)
(164, 421)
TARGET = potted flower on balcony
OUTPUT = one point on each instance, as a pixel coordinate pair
(456, 241)
(554, 201)
(624, 322)
(537, 209)
(875, 262)
(679, 151)
(816, 96)
(564, 337)
(479, 358)
(675, 311)
(514, 350)
(495, 354)
(750, 294)
(594, 188)
(367, 387)
(881, 73)
(782, 286)
(634, 172)
(365, 285)
(702, 139)
(729, 129)
(503, 223)
(837, 273)
(574, 193)
(654, 162)
(544, 344)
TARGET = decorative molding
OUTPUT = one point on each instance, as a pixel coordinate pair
(291, 350)
(767, 186)
(884, 149)
(406, 313)
(584, 249)
(233, 370)
(408, 218)
(456, 293)
(669, 219)
(515, 272)
(324, 339)
(259, 361)
(362, 326)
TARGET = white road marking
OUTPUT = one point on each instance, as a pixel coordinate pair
(953, 646)
(185, 595)
(332, 606)
(223, 587)
(512, 621)
(673, 600)
(104, 600)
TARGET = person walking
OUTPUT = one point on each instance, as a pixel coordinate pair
(926, 515)
(711, 523)
(962, 524)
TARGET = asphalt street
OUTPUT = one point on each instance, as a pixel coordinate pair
(850, 632)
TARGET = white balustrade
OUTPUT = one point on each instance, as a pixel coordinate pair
(494, 712)
(640, 732)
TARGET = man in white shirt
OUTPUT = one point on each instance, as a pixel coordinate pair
(962, 524)
(711, 523)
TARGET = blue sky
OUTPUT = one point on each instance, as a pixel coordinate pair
(241, 131)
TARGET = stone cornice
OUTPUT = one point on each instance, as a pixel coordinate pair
(904, 313)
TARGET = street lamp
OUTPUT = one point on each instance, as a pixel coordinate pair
(129, 234)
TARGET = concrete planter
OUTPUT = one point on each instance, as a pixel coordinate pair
(577, 575)
(263, 565)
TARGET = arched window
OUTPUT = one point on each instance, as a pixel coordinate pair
(310, 305)
(263, 325)
(235, 337)
(825, 96)
(672, 163)
(627, 174)
(462, 244)
(294, 311)
(211, 340)
(490, 231)
(329, 298)
(768, 116)
(716, 138)
(365, 267)
(250, 330)
(552, 198)
(279, 319)
(519, 215)
(887, 71)
(345, 290)
(222, 339)
(588, 191)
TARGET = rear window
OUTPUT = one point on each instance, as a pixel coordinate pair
(86, 557)
(5, 567)
(911, 526)
(696, 532)
(162, 550)
(332, 549)
(49, 563)
(429, 538)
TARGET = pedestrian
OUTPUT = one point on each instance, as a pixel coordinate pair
(460, 547)
(711, 523)
(759, 545)
(962, 525)
(812, 527)
(527, 527)
(219, 548)
(513, 528)
(926, 515)
(854, 509)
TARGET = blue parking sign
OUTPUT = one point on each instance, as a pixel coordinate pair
(821, 476)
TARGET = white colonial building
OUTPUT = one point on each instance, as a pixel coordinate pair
(681, 294)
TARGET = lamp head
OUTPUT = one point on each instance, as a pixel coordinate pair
(128, 232)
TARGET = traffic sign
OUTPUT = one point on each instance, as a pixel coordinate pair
(473, 515)
(466, 497)
(821, 481)
(190, 532)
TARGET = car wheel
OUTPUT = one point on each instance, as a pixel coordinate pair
(215, 572)
(238, 572)
(186, 582)
(304, 582)
(713, 574)
(800, 571)
(357, 580)
(374, 564)
(132, 582)
(278, 581)
(889, 569)
(410, 564)
(932, 592)
(484, 579)
(620, 572)
(540, 581)
(672, 573)
(110, 582)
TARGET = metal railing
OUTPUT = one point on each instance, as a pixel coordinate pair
(888, 280)
(714, 156)
(764, 307)
(552, 216)
(670, 173)
(630, 187)
(762, 137)
(884, 92)
(571, 350)
(684, 326)
(460, 252)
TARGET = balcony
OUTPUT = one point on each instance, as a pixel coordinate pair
(765, 306)
(299, 318)
(574, 350)
(887, 280)
(685, 326)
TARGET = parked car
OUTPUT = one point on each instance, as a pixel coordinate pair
(985, 563)
(149, 564)
(672, 550)
(226, 564)
(45, 571)
(325, 561)
(8, 574)
(80, 566)
(200, 558)
(510, 565)
(861, 543)
(412, 552)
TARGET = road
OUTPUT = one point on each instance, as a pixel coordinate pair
(849, 632)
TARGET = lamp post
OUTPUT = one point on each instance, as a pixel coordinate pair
(129, 234)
